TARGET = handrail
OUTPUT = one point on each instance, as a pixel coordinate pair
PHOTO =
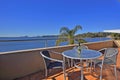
(42, 43)
(24, 40)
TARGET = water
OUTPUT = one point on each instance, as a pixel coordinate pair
(22, 43)
(96, 39)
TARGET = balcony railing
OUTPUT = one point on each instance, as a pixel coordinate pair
(32, 43)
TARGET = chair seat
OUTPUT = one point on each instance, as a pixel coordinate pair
(54, 65)
(107, 61)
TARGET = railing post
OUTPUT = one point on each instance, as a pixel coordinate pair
(46, 43)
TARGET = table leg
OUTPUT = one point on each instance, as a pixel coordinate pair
(81, 70)
(64, 68)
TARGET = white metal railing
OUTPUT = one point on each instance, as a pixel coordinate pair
(10, 45)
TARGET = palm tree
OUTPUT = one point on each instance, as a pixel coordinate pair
(67, 35)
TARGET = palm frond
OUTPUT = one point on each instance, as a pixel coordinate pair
(77, 27)
(67, 35)
(81, 41)
(64, 30)
(63, 35)
(60, 40)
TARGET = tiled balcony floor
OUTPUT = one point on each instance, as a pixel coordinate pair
(108, 74)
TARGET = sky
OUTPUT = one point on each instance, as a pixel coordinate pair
(46, 17)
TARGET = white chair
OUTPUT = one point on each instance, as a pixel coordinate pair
(79, 63)
(109, 58)
(51, 63)
(82, 47)
(95, 61)
(71, 61)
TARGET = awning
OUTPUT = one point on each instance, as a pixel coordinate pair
(113, 31)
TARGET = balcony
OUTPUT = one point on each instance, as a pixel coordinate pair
(26, 64)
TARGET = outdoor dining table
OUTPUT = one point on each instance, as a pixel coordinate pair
(85, 54)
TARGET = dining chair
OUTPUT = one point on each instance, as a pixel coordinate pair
(109, 58)
(71, 61)
(95, 61)
(79, 63)
(52, 63)
(82, 47)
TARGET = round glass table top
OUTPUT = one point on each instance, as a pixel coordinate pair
(84, 54)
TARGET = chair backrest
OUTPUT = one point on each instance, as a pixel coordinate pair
(45, 54)
(82, 47)
(110, 56)
(102, 50)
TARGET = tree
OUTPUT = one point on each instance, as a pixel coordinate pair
(115, 36)
(67, 35)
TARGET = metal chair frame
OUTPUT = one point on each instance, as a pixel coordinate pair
(109, 58)
(47, 57)
(71, 60)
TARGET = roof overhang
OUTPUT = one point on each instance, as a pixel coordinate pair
(112, 31)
